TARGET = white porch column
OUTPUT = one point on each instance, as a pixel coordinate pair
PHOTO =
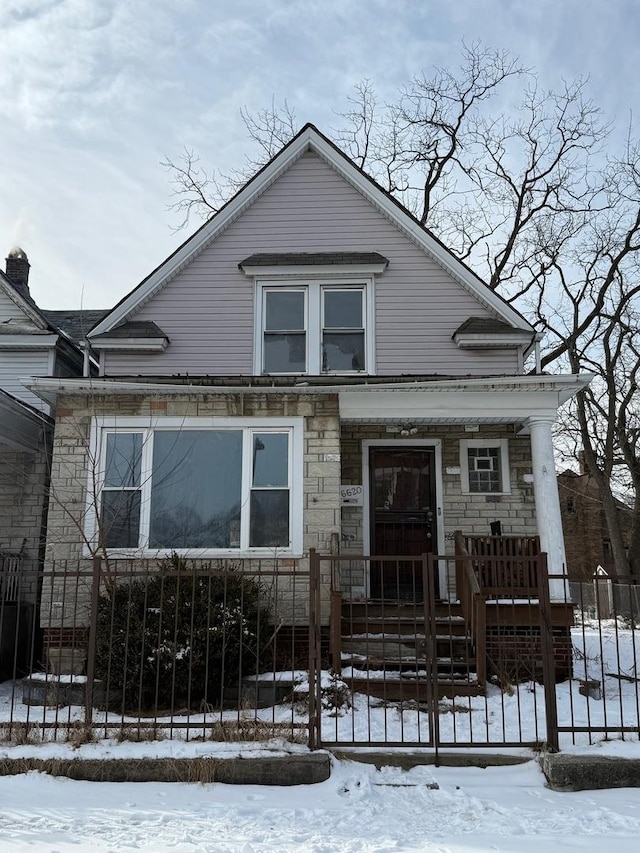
(545, 488)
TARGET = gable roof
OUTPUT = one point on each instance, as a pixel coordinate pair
(310, 139)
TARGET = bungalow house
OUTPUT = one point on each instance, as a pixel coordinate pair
(30, 344)
(312, 369)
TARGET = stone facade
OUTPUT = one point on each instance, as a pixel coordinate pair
(332, 457)
(24, 485)
(472, 514)
(65, 601)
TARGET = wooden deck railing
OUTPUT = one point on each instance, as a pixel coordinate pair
(505, 566)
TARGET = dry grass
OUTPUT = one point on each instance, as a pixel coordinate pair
(231, 731)
(19, 733)
(131, 734)
(80, 733)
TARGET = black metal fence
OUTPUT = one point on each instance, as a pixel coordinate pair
(175, 648)
(300, 650)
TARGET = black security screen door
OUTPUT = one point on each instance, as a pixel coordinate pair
(402, 512)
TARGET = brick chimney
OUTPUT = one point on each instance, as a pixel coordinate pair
(18, 271)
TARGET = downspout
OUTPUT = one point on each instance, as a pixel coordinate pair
(86, 359)
(537, 353)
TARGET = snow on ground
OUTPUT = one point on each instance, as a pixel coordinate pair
(359, 809)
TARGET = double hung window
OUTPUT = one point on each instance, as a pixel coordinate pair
(188, 486)
(314, 328)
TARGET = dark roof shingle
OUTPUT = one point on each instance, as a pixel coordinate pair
(75, 324)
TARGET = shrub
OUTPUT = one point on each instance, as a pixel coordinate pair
(179, 637)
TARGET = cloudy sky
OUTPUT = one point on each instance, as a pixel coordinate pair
(95, 93)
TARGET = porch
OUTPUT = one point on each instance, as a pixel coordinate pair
(424, 643)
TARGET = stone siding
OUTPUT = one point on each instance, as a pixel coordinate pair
(24, 483)
(67, 605)
(472, 514)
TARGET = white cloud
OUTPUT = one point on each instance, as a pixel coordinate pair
(93, 93)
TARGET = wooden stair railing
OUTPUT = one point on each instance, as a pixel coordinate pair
(473, 604)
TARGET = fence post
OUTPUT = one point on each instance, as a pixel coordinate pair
(431, 650)
(91, 651)
(314, 663)
(548, 656)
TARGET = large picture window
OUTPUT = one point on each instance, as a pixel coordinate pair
(314, 328)
(185, 486)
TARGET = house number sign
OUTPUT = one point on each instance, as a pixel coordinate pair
(351, 495)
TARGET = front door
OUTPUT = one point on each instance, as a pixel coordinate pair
(402, 513)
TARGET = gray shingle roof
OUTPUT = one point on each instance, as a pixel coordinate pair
(134, 329)
(75, 324)
(266, 259)
(485, 326)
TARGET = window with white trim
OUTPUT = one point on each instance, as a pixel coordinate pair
(189, 486)
(314, 327)
(484, 466)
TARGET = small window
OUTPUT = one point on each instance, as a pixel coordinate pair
(484, 466)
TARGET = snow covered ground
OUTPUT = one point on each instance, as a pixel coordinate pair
(359, 809)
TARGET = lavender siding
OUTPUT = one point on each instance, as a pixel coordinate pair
(207, 310)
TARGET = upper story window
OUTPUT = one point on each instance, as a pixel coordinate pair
(484, 466)
(314, 311)
(285, 331)
(343, 330)
(314, 327)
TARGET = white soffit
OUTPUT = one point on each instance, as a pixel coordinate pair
(309, 139)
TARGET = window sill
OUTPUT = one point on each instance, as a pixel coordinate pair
(199, 553)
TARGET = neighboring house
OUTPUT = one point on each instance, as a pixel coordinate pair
(30, 344)
(312, 335)
(586, 535)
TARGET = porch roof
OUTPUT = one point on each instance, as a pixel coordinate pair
(495, 399)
